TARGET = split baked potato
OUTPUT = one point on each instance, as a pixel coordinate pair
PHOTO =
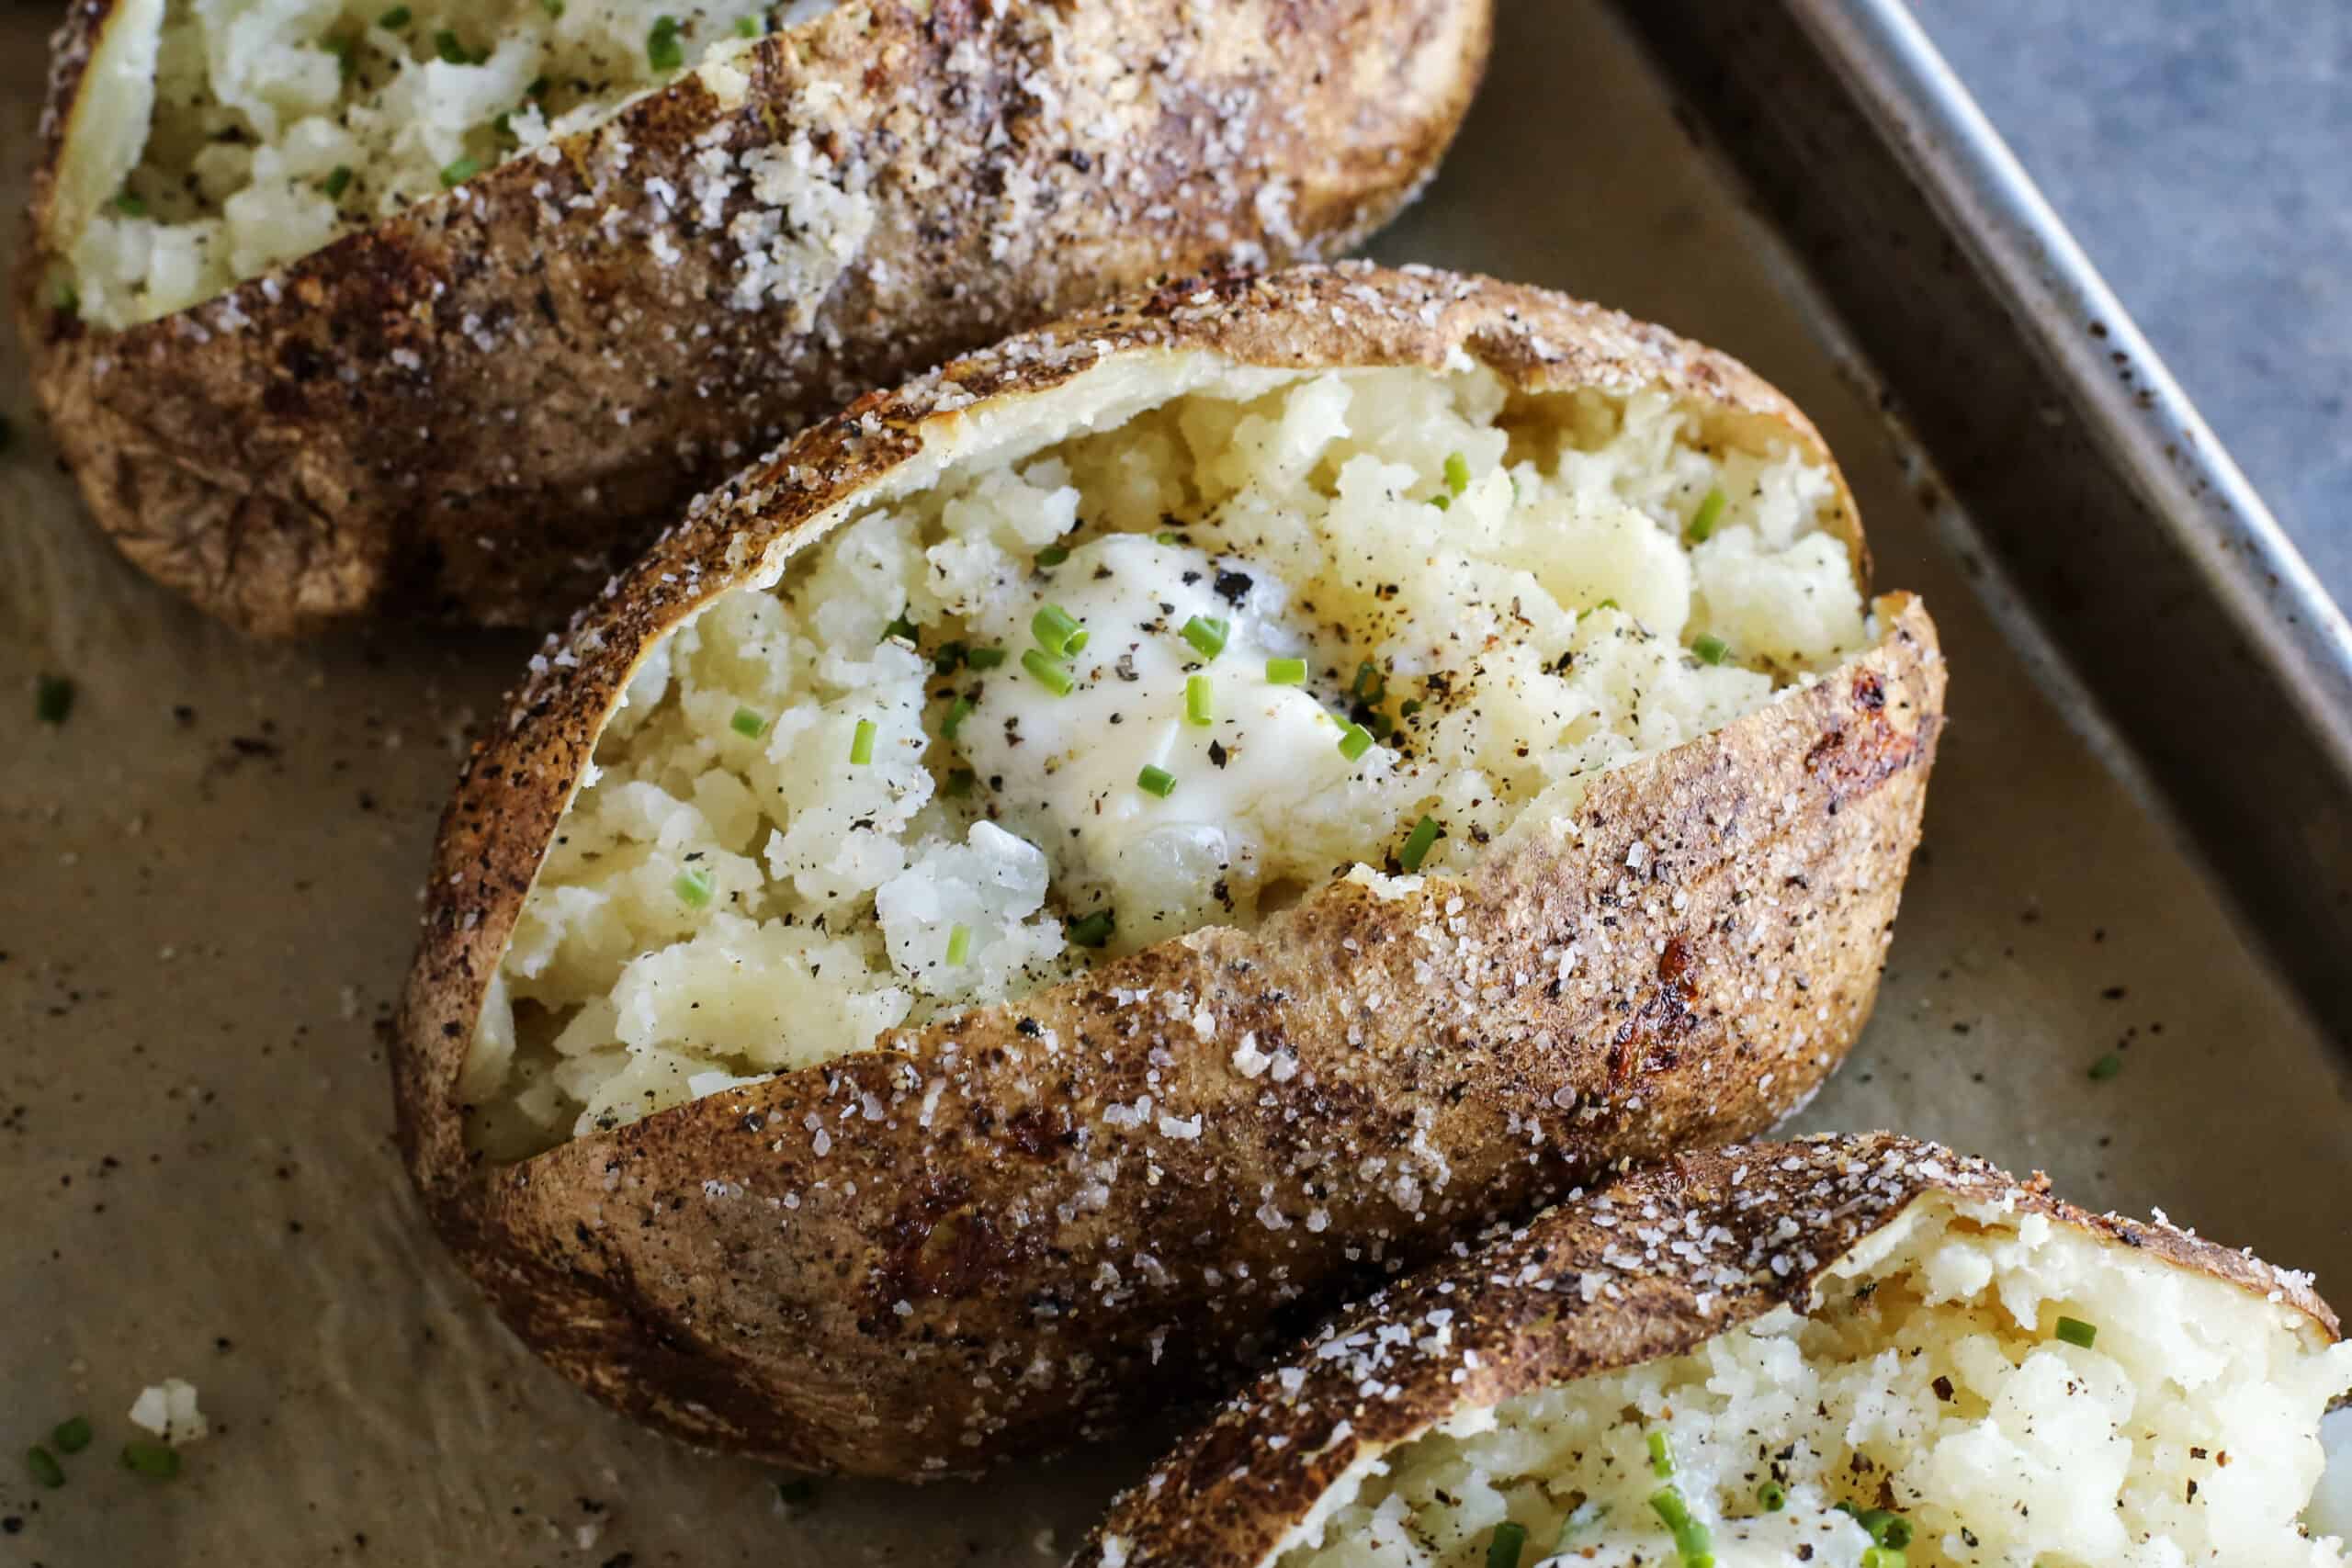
(1074, 867)
(341, 307)
(1844, 1351)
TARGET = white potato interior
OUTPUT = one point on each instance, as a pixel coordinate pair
(214, 140)
(1507, 590)
(1932, 1382)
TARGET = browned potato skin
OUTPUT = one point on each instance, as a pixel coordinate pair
(735, 1320)
(331, 441)
(1230, 1492)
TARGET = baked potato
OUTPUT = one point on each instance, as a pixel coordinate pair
(1075, 866)
(1848, 1350)
(339, 306)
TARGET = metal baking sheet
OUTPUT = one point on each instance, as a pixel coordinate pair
(210, 873)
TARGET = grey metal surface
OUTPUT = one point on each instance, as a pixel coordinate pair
(209, 899)
(2121, 535)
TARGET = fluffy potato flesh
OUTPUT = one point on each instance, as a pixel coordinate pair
(1973, 1388)
(214, 140)
(1355, 624)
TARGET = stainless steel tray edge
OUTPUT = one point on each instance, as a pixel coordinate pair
(2111, 527)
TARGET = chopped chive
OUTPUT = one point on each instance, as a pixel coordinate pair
(1608, 604)
(336, 182)
(1884, 1557)
(959, 782)
(1417, 850)
(1409, 707)
(901, 630)
(949, 656)
(985, 658)
(1156, 780)
(1887, 1527)
(1509, 1541)
(749, 27)
(553, 8)
(69, 298)
(1709, 649)
(451, 48)
(957, 712)
(1052, 555)
(693, 887)
(861, 743)
(1693, 1543)
(1168, 536)
(1369, 687)
(44, 1466)
(1208, 635)
(394, 19)
(52, 698)
(346, 57)
(460, 172)
(1057, 632)
(798, 1492)
(1379, 723)
(959, 943)
(1661, 1456)
(1442, 502)
(663, 49)
(150, 1457)
(72, 1435)
(747, 721)
(1050, 676)
(1200, 700)
(2105, 1067)
(1092, 931)
(1772, 1497)
(2074, 1331)
(130, 205)
(1457, 473)
(1287, 671)
(538, 87)
(1704, 521)
(1354, 741)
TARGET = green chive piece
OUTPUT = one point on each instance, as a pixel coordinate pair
(2074, 1331)
(1693, 1541)
(1409, 707)
(959, 944)
(538, 87)
(1092, 931)
(1661, 1456)
(1884, 1557)
(949, 656)
(151, 1459)
(1156, 780)
(1369, 687)
(693, 887)
(799, 1493)
(1208, 635)
(394, 19)
(959, 782)
(1050, 676)
(1509, 1541)
(749, 722)
(73, 1435)
(1057, 632)
(460, 172)
(861, 743)
(1417, 850)
(749, 27)
(2105, 1067)
(1442, 502)
(69, 298)
(1287, 671)
(1168, 536)
(1457, 473)
(337, 182)
(1885, 1526)
(957, 712)
(1052, 555)
(553, 8)
(1709, 647)
(1709, 513)
(663, 49)
(900, 629)
(1379, 723)
(985, 658)
(1772, 1497)
(1200, 700)
(44, 1466)
(450, 48)
(1354, 741)
(52, 698)
(1608, 604)
(130, 205)
(346, 57)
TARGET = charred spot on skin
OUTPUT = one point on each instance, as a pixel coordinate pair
(1857, 757)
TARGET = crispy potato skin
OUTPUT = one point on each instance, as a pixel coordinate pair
(479, 408)
(964, 1244)
(1229, 1495)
